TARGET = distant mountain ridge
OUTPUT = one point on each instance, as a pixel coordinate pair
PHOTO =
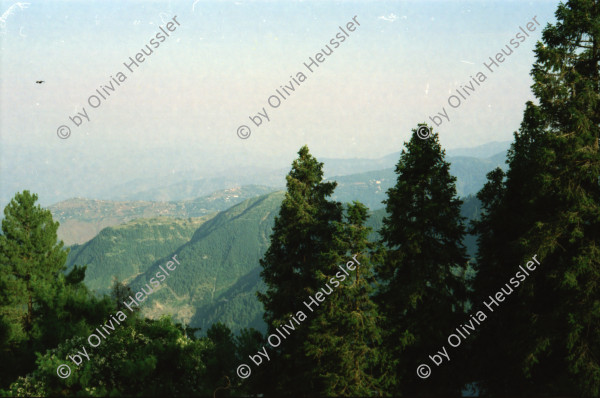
(486, 150)
(344, 167)
(82, 219)
(185, 179)
(481, 156)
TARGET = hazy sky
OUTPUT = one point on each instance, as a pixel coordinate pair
(184, 103)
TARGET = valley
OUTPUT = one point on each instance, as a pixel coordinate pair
(220, 274)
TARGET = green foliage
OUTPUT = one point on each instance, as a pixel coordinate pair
(546, 340)
(31, 260)
(249, 342)
(144, 358)
(221, 356)
(40, 306)
(216, 264)
(120, 294)
(423, 290)
(304, 230)
(344, 338)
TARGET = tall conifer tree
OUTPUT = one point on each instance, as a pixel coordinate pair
(40, 306)
(303, 231)
(549, 205)
(31, 259)
(423, 293)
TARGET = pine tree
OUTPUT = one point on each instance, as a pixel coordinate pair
(303, 231)
(344, 339)
(31, 258)
(549, 205)
(422, 294)
(508, 214)
(40, 306)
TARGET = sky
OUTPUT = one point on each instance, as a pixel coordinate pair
(180, 109)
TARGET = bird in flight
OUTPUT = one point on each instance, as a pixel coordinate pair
(39, 81)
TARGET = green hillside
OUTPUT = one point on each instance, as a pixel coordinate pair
(126, 250)
(215, 280)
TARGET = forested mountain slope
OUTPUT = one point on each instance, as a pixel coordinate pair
(217, 277)
(219, 272)
(126, 250)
